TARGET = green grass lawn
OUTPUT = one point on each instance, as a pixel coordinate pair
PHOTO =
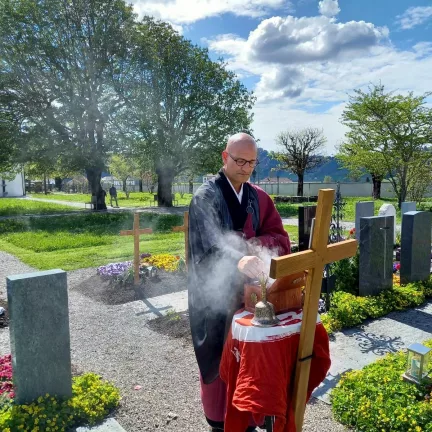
(92, 239)
(136, 199)
(21, 206)
(78, 241)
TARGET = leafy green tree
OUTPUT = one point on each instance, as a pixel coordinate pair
(357, 159)
(301, 152)
(122, 167)
(61, 59)
(182, 105)
(397, 129)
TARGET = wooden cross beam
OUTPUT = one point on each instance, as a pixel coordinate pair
(136, 232)
(184, 228)
(314, 260)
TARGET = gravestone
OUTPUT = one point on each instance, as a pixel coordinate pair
(362, 209)
(416, 246)
(376, 254)
(39, 335)
(407, 207)
(389, 210)
(305, 216)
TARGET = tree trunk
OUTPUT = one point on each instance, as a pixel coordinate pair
(45, 185)
(140, 185)
(94, 178)
(376, 180)
(300, 184)
(191, 186)
(164, 191)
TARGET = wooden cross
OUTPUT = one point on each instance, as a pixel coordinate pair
(184, 228)
(314, 260)
(136, 232)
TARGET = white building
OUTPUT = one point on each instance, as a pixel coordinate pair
(12, 188)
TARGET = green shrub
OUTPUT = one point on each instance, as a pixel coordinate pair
(12, 225)
(92, 400)
(376, 399)
(347, 310)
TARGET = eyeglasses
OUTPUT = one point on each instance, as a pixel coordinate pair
(242, 162)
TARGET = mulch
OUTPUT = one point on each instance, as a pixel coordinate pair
(109, 293)
(175, 326)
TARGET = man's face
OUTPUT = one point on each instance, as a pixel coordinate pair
(236, 157)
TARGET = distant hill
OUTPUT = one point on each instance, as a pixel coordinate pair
(330, 168)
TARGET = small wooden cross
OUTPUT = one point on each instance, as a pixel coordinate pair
(314, 260)
(184, 228)
(136, 232)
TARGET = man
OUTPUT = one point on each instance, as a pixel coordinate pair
(113, 195)
(228, 218)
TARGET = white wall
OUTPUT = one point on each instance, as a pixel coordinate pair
(312, 188)
(14, 188)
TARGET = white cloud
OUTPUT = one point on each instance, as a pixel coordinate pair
(329, 8)
(189, 11)
(414, 16)
(307, 67)
(294, 40)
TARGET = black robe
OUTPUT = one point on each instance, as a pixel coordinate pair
(215, 286)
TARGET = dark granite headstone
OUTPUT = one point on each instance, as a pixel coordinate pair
(305, 216)
(415, 246)
(362, 209)
(376, 254)
(39, 335)
(407, 206)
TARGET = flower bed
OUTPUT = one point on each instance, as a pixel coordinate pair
(376, 399)
(122, 272)
(92, 400)
(348, 310)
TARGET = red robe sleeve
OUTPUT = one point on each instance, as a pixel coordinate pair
(272, 234)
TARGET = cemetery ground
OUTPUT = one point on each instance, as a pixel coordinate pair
(151, 361)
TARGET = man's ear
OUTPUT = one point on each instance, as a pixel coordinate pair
(224, 157)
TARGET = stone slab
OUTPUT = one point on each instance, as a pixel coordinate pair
(389, 210)
(363, 209)
(305, 216)
(354, 348)
(40, 338)
(109, 425)
(376, 254)
(159, 306)
(416, 246)
(407, 206)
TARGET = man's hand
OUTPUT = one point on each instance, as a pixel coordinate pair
(251, 266)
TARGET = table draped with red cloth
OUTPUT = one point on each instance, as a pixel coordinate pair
(257, 367)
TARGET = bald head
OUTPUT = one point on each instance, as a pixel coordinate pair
(240, 140)
(239, 158)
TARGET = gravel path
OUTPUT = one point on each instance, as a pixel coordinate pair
(113, 342)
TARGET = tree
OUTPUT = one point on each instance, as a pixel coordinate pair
(122, 167)
(327, 179)
(182, 105)
(301, 152)
(422, 182)
(357, 159)
(60, 59)
(395, 128)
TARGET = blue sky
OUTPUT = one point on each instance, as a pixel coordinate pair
(303, 57)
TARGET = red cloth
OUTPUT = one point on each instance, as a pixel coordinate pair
(271, 232)
(257, 366)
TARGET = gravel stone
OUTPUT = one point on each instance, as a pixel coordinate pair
(122, 347)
